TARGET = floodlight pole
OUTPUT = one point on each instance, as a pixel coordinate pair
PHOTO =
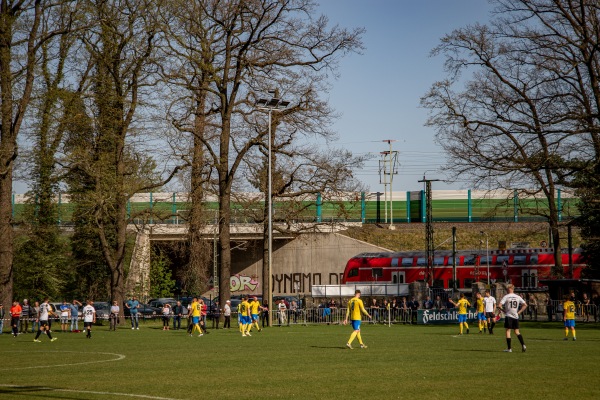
(269, 105)
(487, 255)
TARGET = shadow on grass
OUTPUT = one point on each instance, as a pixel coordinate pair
(330, 347)
(476, 350)
(34, 391)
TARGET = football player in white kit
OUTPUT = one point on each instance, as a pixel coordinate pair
(42, 317)
(489, 302)
(513, 306)
(89, 317)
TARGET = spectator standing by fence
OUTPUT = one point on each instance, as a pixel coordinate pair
(282, 311)
(177, 314)
(27, 313)
(394, 308)
(65, 310)
(596, 304)
(166, 316)
(133, 306)
(374, 311)
(15, 315)
(216, 313)
(438, 304)
(294, 310)
(549, 307)
(114, 316)
(227, 315)
(1, 318)
(75, 304)
(404, 310)
(428, 303)
(266, 313)
(585, 307)
(414, 307)
(532, 307)
(34, 321)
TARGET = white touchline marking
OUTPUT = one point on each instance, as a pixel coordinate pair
(119, 358)
(143, 396)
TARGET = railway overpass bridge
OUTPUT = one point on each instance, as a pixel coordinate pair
(295, 253)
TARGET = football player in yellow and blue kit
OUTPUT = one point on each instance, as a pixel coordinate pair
(569, 317)
(195, 314)
(239, 314)
(254, 312)
(245, 316)
(482, 321)
(355, 309)
(462, 305)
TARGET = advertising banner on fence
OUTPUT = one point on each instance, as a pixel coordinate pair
(428, 317)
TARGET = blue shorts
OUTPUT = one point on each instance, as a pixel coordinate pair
(245, 320)
(254, 317)
(195, 320)
(355, 324)
(481, 316)
(462, 318)
(570, 323)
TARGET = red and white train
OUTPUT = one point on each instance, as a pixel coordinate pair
(522, 267)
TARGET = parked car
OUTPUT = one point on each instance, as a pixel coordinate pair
(160, 303)
(144, 310)
(102, 310)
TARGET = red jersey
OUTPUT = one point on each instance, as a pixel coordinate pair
(15, 311)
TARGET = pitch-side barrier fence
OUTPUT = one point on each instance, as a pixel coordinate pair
(325, 316)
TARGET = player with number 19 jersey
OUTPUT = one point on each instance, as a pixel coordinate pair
(511, 303)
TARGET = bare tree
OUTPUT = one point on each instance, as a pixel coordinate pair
(121, 47)
(22, 33)
(240, 41)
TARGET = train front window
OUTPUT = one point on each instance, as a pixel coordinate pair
(353, 272)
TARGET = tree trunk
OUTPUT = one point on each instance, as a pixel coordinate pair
(6, 231)
(198, 266)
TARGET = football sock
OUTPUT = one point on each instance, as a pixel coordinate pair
(49, 334)
(352, 337)
(566, 332)
(466, 325)
(39, 332)
(359, 338)
(460, 327)
(508, 343)
(480, 326)
(573, 330)
(520, 337)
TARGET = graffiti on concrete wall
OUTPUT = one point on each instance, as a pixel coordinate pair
(243, 283)
(287, 283)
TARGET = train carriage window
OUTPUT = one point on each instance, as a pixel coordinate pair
(501, 259)
(377, 272)
(407, 261)
(421, 261)
(469, 283)
(353, 272)
(451, 284)
(484, 260)
(521, 260)
(438, 260)
(438, 283)
(469, 260)
(533, 259)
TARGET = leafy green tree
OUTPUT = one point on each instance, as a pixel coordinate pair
(161, 282)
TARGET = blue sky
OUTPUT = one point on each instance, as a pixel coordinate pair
(378, 92)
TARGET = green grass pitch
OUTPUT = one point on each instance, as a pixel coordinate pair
(303, 362)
